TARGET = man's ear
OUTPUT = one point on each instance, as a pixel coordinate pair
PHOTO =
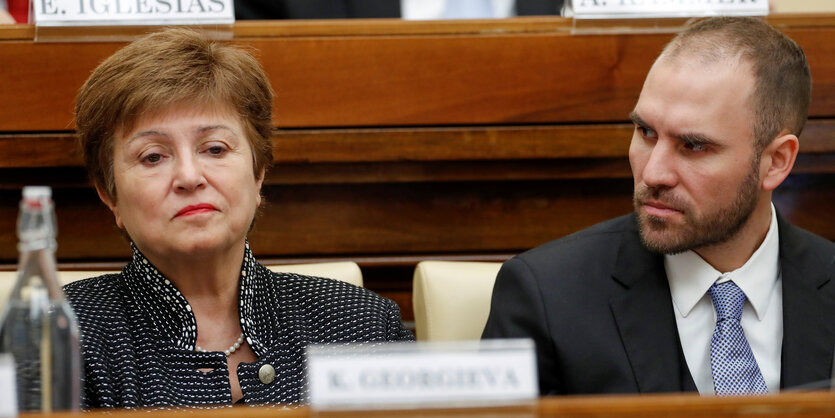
(112, 205)
(778, 159)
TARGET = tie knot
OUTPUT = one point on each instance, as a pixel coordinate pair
(727, 299)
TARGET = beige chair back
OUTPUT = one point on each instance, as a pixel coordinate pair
(451, 299)
(346, 271)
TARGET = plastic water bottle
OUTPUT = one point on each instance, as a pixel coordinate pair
(38, 326)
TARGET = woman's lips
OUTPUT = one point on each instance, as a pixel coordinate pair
(195, 209)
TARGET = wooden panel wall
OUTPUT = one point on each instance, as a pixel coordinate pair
(401, 141)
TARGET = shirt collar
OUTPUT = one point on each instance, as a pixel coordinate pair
(690, 276)
(159, 299)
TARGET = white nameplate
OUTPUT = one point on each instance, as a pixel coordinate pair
(8, 394)
(132, 12)
(403, 375)
(616, 9)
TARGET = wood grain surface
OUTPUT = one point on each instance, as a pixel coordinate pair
(797, 404)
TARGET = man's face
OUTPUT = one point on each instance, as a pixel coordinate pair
(692, 154)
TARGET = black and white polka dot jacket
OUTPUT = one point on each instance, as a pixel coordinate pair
(138, 335)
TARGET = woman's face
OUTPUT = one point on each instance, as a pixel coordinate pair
(184, 182)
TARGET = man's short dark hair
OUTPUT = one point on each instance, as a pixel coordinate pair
(782, 85)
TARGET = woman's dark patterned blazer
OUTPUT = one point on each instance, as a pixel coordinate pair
(138, 335)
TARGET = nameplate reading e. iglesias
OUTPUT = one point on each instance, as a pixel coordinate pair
(122, 7)
(132, 12)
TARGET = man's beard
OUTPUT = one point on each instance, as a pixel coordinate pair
(713, 228)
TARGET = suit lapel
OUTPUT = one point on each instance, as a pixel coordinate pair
(645, 319)
(808, 308)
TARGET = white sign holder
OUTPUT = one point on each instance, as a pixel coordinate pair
(625, 9)
(652, 16)
(124, 20)
(422, 375)
(133, 12)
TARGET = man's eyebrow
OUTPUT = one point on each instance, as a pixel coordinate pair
(636, 119)
(688, 138)
(697, 139)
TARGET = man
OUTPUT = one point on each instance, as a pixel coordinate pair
(630, 305)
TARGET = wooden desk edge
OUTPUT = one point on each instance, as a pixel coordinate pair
(784, 404)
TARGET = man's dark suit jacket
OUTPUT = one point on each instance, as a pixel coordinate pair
(597, 304)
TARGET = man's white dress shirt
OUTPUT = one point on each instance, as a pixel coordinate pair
(690, 278)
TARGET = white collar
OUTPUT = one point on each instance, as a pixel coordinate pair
(690, 276)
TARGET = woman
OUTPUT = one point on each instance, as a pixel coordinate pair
(175, 132)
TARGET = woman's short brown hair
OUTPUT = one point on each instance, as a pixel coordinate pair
(148, 76)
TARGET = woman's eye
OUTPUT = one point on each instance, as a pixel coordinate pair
(152, 158)
(216, 150)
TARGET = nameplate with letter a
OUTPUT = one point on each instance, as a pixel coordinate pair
(405, 375)
(617, 9)
(53, 13)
